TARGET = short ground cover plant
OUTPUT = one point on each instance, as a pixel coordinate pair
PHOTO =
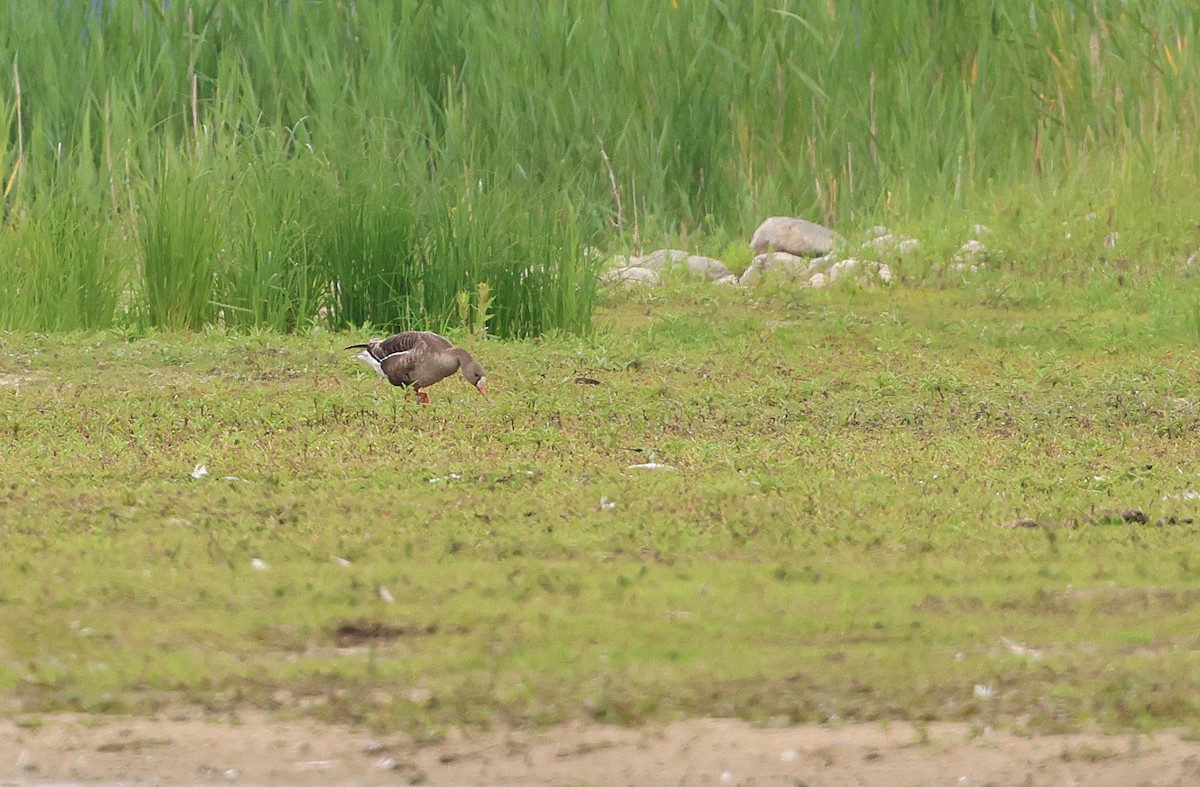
(969, 495)
(966, 503)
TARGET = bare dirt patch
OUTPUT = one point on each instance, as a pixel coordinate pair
(261, 750)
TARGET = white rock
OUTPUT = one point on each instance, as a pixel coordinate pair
(631, 276)
(665, 259)
(867, 272)
(973, 248)
(788, 265)
(897, 245)
(969, 257)
(657, 260)
(711, 269)
(842, 268)
(795, 236)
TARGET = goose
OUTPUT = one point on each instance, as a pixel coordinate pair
(418, 359)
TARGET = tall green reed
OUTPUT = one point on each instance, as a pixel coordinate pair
(179, 237)
(617, 122)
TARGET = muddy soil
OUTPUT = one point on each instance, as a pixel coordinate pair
(257, 749)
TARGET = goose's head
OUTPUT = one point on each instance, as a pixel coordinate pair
(473, 371)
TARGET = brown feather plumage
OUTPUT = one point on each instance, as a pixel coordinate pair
(418, 359)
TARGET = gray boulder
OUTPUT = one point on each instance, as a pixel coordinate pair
(866, 272)
(971, 256)
(777, 263)
(709, 268)
(883, 241)
(795, 236)
(663, 258)
(630, 276)
(670, 259)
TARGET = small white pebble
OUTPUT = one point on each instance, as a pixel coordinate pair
(788, 756)
(231, 774)
(607, 505)
(258, 564)
(341, 561)
(386, 595)
(726, 778)
(315, 765)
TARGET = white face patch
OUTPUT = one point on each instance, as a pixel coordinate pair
(482, 380)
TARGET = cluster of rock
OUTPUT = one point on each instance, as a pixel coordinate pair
(799, 251)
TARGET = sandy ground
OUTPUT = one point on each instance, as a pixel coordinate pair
(260, 750)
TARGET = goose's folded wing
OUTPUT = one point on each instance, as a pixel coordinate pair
(400, 367)
(410, 340)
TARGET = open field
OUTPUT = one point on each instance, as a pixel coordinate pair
(834, 544)
(962, 508)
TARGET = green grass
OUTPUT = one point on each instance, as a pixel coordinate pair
(289, 164)
(832, 546)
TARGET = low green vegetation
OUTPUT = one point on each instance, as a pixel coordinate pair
(971, 495)
(975, 503)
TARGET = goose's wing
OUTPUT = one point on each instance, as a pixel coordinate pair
(403, 367)
(410, 340)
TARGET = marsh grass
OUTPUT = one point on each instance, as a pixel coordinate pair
(616, 125)
(180, 241)
(58, 270)
(834, 543)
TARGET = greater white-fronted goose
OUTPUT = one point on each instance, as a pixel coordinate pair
(418, 359)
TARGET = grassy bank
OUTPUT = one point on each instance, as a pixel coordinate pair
(834, 543)
(280, 164)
